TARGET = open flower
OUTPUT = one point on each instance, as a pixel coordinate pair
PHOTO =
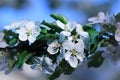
(67, 28)
(100, 18)
(28, 32)
(16, 25)
(81, 32)
(53, 47)
(44, 64)
(3, 44)
(70, 26)
(74, 52)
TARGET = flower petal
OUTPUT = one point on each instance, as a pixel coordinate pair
(52, 50)
(80, 56)
(92, 19)
(68, 45)
(67, 55)
(71, 26)
(73, 61)
(79, 47)
(66, 33)
(60, 24)
(23, 37)
(3, 44)
(31, 39)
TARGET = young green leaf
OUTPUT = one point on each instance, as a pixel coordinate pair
(13, 41)
(60, 17)
(52, 26)
(22, 58)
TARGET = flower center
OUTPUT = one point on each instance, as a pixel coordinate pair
(74, 52)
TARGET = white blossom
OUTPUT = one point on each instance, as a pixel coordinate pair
(70, 26)
(53, 47)
(16, 25)
(28, 32)
(100, 18)
(74, 52)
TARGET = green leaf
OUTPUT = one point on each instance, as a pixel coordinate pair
(92, 33)
(13, 41)
(22, 58)
(44, 31)
(95, 46)
(52, 26)
(60, 17)
(94, 38)
(68, 70)
(96, 60)
(63, 67)
(44, 37)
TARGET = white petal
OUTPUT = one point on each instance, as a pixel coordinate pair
(61, 38)
(70, 38)
(3, 44)
(66, 33)
(8, 27)
(31, 39)
(30, 25)
(71, 26)
(73, 61)
(22, 30)
(23, 37)
(80, 56)
(68, 45)
(52, 50)
(92, 19)
(101, 15)
(79, 28)
(79, 46)
(67, 55)
(36, 31)
(80, 31)
(84, 34)
(60, 24)
(48, 60)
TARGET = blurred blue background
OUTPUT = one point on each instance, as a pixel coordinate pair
(75, 10)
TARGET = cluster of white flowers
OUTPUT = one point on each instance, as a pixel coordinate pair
(27, 30)
(70, 46)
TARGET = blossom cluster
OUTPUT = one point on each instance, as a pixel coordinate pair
(60, 46)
